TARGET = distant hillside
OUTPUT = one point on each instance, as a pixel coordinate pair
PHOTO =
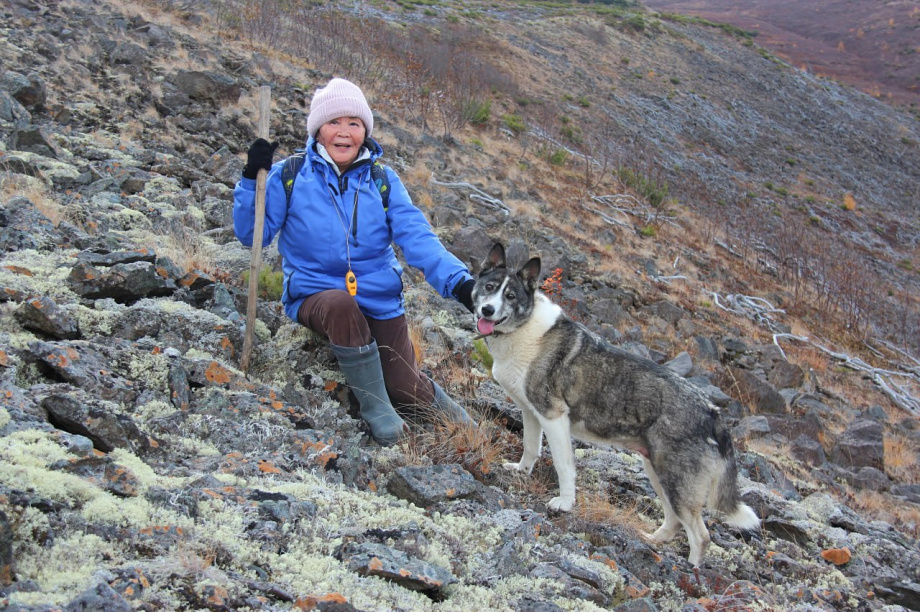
(874, 46)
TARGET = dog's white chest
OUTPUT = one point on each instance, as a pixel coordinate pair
(510, 364)
(514, 353)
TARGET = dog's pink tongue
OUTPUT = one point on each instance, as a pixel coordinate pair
(485, 326)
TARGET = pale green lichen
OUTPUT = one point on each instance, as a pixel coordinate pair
(197, 353)
(262, 331)
(47, 276)
(126, 219)
(93, 322)
(62, 570)
(155, 409)
(152, 369)
(186, 445)
(32, 448)
(4, 417)
(163, 185)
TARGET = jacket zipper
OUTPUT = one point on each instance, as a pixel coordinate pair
(354, 219)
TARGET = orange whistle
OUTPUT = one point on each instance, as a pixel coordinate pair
(352, 283)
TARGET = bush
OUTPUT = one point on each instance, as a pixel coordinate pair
(558, 157)
(515, 123)
(270, 284)
(653, 188)
(478, 112)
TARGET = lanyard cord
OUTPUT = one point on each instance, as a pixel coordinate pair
(351, 227)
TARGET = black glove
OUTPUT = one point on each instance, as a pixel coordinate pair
(260, 156)
(464, 294)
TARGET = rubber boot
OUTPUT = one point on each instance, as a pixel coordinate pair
(445, 405)
(361, 366)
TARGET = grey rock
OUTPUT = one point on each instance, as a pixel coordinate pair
(860, 445)
(99, 597)
(207, 85)
(122, 282)
(95, 420)
(808, 451)
(757, 391)
(371, 559)
(785, 375)
(682, 364)
(427, 485)
(28, 90)
(43, 315)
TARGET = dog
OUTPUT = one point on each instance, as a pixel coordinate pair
(568, 382)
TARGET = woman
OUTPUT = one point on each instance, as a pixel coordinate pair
(341, 275)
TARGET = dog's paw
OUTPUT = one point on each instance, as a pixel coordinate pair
(562, 504)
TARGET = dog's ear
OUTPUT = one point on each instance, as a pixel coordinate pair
(496, 258)
(530, 273)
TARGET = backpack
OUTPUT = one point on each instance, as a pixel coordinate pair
(294, 163)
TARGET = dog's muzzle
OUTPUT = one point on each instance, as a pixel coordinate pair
(484, 325)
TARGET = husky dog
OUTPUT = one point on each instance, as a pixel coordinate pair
(568, 382)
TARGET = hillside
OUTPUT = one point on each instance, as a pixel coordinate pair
(695, 199)
(870, 46)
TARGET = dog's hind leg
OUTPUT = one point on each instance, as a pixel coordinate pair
(533, 439)
(559, 436)
(671, 523)
(697, 534)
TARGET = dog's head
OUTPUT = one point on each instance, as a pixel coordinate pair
(503, 300)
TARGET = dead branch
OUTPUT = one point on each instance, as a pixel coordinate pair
(607, 218)
(476, 195)
(667, 279)
(755, 308)
(899, 394)
(615, 201)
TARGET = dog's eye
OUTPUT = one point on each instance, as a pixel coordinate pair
(490, 286)
(510, 296)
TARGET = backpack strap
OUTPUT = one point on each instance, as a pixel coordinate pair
(294, 163)
(290, 170)
(379, 176)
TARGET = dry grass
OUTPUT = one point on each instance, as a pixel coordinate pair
(596, 507)
(188, 251)
(807, 357)
(479, 446)
(879, 506)
(34, 190)
(901, 459)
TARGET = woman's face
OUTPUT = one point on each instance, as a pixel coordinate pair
(342, 138)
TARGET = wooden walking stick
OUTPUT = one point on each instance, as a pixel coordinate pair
(265, 98)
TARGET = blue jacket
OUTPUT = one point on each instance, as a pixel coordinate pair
(335, 219)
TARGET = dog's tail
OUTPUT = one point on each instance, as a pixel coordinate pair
(726, 494)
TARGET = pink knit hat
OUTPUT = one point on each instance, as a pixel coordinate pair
(340, 98)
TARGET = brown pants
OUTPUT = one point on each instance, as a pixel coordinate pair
(335, 315)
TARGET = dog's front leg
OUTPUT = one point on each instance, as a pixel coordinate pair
(533, 442)
(559, 436)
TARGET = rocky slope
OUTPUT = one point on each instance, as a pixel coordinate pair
(141, 469)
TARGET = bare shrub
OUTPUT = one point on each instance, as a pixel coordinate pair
(188, 250)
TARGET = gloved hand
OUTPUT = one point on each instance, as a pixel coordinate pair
(464, 294)
(260, 155)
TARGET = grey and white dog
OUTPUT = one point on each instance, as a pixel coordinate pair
(568, 382)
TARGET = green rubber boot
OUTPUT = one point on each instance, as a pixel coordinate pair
(361, 366)
(445, 405)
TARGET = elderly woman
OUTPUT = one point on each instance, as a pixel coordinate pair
(341, 276)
